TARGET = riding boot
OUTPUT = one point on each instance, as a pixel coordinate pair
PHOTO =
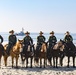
(8, 49)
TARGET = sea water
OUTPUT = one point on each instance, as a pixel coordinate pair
(59, 36)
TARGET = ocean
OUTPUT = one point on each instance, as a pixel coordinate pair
(34, 36)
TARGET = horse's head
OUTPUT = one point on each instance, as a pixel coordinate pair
(44, 47)
(5, 46)
(59, 46)
(18, 45)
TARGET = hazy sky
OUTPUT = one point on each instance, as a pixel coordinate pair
(38, 15)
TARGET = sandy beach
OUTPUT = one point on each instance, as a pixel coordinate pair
(36, 70)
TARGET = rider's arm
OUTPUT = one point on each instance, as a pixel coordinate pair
(1, 38)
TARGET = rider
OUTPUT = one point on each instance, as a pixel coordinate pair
(11, 41)
(1, 41)
(27, 40)
(52, 40)
(40, 40)
(69, 40)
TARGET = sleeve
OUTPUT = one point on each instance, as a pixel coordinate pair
(1, 38)
(64, 39)
(71, 38)
(55, 39)
(44, 38)
(15, 39)
(31, 40)
(38, 39)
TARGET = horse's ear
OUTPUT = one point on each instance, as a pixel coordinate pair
(18, 40)
(60, 39)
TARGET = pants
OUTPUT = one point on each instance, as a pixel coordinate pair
(9, 48)
(38, 48)
(25, 48)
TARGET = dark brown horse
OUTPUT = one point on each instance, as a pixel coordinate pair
(55, 52)
(29, 53)
(70, 51)
(14, 52)
(1, 52)
(42, 55)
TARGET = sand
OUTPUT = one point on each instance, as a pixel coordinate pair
(36, 70)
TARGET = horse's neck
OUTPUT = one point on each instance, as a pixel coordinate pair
(17, 46)
(28, 48)
(43, 48)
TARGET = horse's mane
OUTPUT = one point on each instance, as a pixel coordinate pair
(59, 45)
(43, 47)
(17, 46)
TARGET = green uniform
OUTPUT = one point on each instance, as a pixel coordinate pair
(68, 38)
(27, 40)
(69, 41)
(40, 40)
(12, 41)
(52, 40)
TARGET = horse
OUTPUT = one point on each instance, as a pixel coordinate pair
(14, 53)
(29, 53)
(69, 52)
(56, 51)
(41, 55)
(1, 52)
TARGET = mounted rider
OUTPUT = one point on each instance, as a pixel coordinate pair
(51, 41)
(69, 41)
(1, 41)
(40, 40)
(12, 39)
(27, 40)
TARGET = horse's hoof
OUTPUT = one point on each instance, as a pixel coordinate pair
(68, 66)
(73, 66)
(56, 66)
(31, 67)
(26, 67)
(40, 66)
(53, 66)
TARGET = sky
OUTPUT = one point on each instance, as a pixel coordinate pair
(38, 15)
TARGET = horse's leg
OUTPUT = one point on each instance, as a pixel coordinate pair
(27, 62)
(5, 60)
(17, 61)
(40, 63)
(73, 61)
(31, 62)
(44, 62)
(56, 62)
(53, 61)
(12, 61)
(68, 61)
(61, 60)
(0, 61)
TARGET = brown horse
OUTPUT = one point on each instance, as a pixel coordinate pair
(1, 52)
(55, 52)
(29, 53)
(42, 55)
(14, 52)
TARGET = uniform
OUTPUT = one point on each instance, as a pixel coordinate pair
(52, 41)
(12, 41)
(40, 40)
(69, 41)
(27, 41)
